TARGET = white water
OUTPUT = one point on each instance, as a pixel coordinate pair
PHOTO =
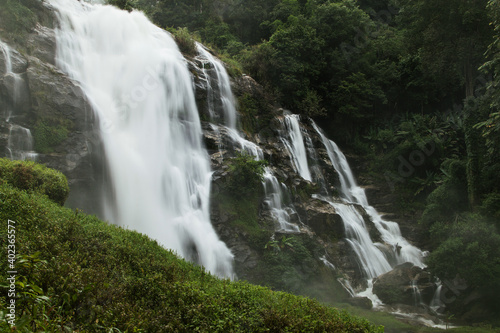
(224, 84)
(436, 304)
(20, 144)
(6, 54)
(274, 190)
(274, 198)
(20, 140)
(295, 145)
(374, 258)
(141, 90)
(10, 73)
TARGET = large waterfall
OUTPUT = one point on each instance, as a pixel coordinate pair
(141, 91)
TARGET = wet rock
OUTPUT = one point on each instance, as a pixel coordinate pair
(18, 62)
(42, 44)
(405, 284)
(361, 302)
(324, 220)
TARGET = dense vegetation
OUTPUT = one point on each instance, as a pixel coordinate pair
(411, 84)
(78, 273)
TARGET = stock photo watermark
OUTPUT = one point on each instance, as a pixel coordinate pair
(11, 273)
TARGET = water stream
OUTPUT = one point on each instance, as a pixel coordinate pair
(20, 141)
(275, 192)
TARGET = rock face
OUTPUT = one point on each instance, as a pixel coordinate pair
(405, 284)
(40, 98)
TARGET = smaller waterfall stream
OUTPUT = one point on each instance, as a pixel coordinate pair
(295, 145)
(20, 141)
(20, 144)
(375, 258)
(224, 85)
(6, 54)
(275, 191)
(11, 75)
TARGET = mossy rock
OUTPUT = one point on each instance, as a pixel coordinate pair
(33, 177)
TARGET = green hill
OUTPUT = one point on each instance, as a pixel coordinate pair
(77, 273)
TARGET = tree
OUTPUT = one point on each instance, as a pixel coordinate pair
(451, 37)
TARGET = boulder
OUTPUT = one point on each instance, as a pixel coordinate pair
(405, 284)
(324, 220)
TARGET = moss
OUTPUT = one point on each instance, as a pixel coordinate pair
(85, 275)
(47, 136)
(255, 113)
(33, 177)
(17, 17)
(249, 109)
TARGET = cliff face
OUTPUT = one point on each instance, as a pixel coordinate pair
(45, 112)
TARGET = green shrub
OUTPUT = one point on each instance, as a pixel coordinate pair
(185, 42)
(472, 250)
(33, 177)
(247, 175)
(491, 205)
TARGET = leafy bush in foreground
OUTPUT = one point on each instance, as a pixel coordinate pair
(31, 176)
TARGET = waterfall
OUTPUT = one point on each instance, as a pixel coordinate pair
(20, 144)
(9, 72)
(275, 192)
(274, 198)
(6, 54)
(436, 304)
(374, 258)
(20, 140)
(141, 91)
(295, 145)
(224, 84)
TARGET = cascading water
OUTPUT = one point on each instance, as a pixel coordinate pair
(295, 145)
(6, 54)
(224, 85)
(375, 258)
(275, 191)
(141, 91)
(17, 80)
(20, 144)
(20, 140)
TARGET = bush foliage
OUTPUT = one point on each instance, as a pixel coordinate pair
(33, 177)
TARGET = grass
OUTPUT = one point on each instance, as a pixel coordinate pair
(77, 273)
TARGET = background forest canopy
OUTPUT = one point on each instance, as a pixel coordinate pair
(411, 84)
